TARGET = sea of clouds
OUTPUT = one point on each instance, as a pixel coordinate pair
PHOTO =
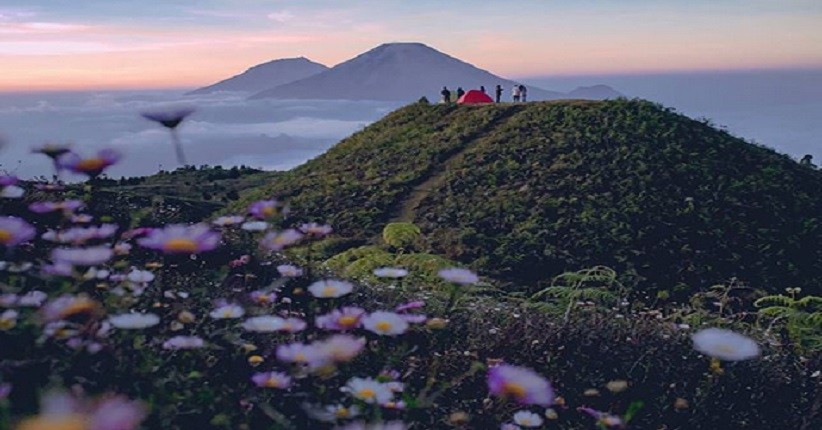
(226, 129)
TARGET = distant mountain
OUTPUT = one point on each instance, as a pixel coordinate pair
(266, 75)
(397, 71)
(595, 92)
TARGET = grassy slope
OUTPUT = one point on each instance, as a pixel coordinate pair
(529, 191)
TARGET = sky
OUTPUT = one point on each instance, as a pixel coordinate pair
(111, 44)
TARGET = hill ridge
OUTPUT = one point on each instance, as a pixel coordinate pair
(525, 192)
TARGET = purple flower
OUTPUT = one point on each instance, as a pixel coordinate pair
(170, 118)
(67, 206)
(416, 304)
(5, 390)
(14, 231)
(347, 318)
(92, 166)
(6, 180)
(522, 384)
(277, 241)
(604, 419)
(271, 380)
(184, 342)
(302, 353)
(264, 209)
(82, 256)
(52, 150)
(181, 239)
(316, 230)
(341, 347)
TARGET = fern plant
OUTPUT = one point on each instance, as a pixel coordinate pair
(801, 317)
(598, 284)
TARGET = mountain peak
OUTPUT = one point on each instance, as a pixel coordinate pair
(266, 75)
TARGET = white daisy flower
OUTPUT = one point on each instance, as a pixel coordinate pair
(255, 226)
(458, 276)
(330, 289)
(227, 311)
(527, 419)
(725, 344)
(368, 390)
(134, 321)
(390, 272)
(385, 323)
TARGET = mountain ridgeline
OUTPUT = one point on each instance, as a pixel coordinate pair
(523, 192)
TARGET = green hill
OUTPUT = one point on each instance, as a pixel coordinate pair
(527, 191)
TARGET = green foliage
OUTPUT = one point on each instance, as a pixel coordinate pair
(360, 263)
(402, 235)
(533, 190)
(570, 288)
(801, 318)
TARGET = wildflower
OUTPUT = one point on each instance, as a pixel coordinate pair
(92, 166)
(527, 419)
(134, 321)
(331, 413)
(139, 276)
(458, 276)
(347, 318)
(122, 248)
(170, 118)
(551, 414)
(341, 348)
(81, 218)
(368, 390)
(263, 297)
(301, 353)
(181, 239)
(82, 256)
(524, 385)
(271, 380)
(14, 231)
(57, 269)
(385, 323)
(255, 226)
(316, 230)
(52, 150)
(67, 306)
(277, 241)
(8, 300)
(12, 192)
(289, 271)
(604, 419)
(224, 221)
(725, 344)
(390, 272)
(270, 324)
(184, 342)
(64, 412)
(67, 206)
(330, 289)
(264, 209)
(227, 311)
(416, 304)
(255, 360)
(8, 319)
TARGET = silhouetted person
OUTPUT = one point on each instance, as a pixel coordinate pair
(498, 92)
(807, 160)
(482, 88)
(460, 92)
(523, 93)
(515, 93)
(446, 95)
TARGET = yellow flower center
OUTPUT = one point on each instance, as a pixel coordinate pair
(347, 321)
(272, 383)
(5, 236)
(61, 422)
(329, 291)
(514, 389)
(367, 393)
(79, 306)
(342, 413)
(269, 211)
(300, 357)
(91, 164)
(7, 324)
(726, 349)
(383, 326)
(181, 245)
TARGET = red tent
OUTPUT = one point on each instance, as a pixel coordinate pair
(474, 97)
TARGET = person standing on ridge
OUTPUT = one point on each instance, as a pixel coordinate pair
(498, 92)
(460, 92)
(515, 93)
(482, 88)
(523, 93)
(446, 95)
(807, 160)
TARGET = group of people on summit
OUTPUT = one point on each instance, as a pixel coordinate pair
(519, 93)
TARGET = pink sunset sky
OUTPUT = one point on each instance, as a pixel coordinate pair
(97, 44)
